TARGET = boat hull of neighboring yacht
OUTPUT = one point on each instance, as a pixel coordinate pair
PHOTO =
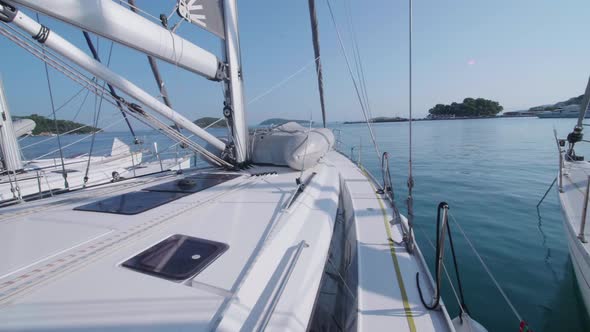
(570, 112)
(572, 197)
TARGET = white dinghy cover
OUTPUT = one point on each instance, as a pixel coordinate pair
(291, 145)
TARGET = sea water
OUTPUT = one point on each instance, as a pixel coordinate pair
(492, 173)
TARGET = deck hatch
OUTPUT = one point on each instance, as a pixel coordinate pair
(132, 203)
(194, 183)
(178, 257)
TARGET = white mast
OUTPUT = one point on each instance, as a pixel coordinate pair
(235, 96)
(9, 149)
(117, 23)
(55, 42)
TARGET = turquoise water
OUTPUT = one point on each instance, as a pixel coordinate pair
(492, 173)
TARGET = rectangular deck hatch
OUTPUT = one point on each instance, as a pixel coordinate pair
(178, 257)
(194, 183)
(132, 203)
(152, 197)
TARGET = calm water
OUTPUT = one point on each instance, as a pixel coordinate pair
(492, 173)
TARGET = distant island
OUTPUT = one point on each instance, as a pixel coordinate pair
(380, 119)
(206, 121)
(552, 107)
(572, 103)
(279, 121)
(469, 108)
(46, 126)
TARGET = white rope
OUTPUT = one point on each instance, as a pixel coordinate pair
(486, 268)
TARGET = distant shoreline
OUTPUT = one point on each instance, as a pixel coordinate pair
(445, 119)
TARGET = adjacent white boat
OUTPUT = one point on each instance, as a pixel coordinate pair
(573, 198)
(32, 179)
(574, 191)
(570, 111)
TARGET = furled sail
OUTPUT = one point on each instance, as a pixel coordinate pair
(207, 14)
(115, 22)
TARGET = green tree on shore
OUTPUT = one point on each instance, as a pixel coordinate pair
(469, 107)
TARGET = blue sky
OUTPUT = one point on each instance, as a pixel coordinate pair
(521, 53)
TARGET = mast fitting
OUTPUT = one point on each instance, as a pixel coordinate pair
(7, 12)
(222, 73)
(42, 35)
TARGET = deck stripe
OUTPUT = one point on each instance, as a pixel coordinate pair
(398, 273)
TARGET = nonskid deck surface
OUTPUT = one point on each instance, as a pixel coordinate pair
(573, 193)
(387, 292)
(572, 199)
(64, 267)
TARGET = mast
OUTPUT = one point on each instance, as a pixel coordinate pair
(61, 46)
(9, 148)
(234, 103)
(316, 50)
(115, 22)
(577, 134)
(584, 105)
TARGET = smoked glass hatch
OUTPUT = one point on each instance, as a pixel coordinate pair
(194, 183)
(132, 203)
(178, 257)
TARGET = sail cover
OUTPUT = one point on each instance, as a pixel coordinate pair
(208, 14)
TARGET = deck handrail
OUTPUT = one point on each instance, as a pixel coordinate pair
(560, 151)
(581, 235)
(282, 285)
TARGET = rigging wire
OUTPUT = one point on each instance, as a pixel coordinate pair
(356, 87)
(75, 142)
(487, 270)
(357, 56)
(134, 110)
(410, 183)
(282, 82)
(81, 105)
(97, 114)
(95, 55)
(61, 156)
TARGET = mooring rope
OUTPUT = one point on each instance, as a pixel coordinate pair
(546, 192)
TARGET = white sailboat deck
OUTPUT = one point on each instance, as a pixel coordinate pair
(572, 199)
(63, 268)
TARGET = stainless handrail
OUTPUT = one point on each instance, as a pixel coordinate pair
(441, 245)
(581, 235)
(560, 152)
(282, 285)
